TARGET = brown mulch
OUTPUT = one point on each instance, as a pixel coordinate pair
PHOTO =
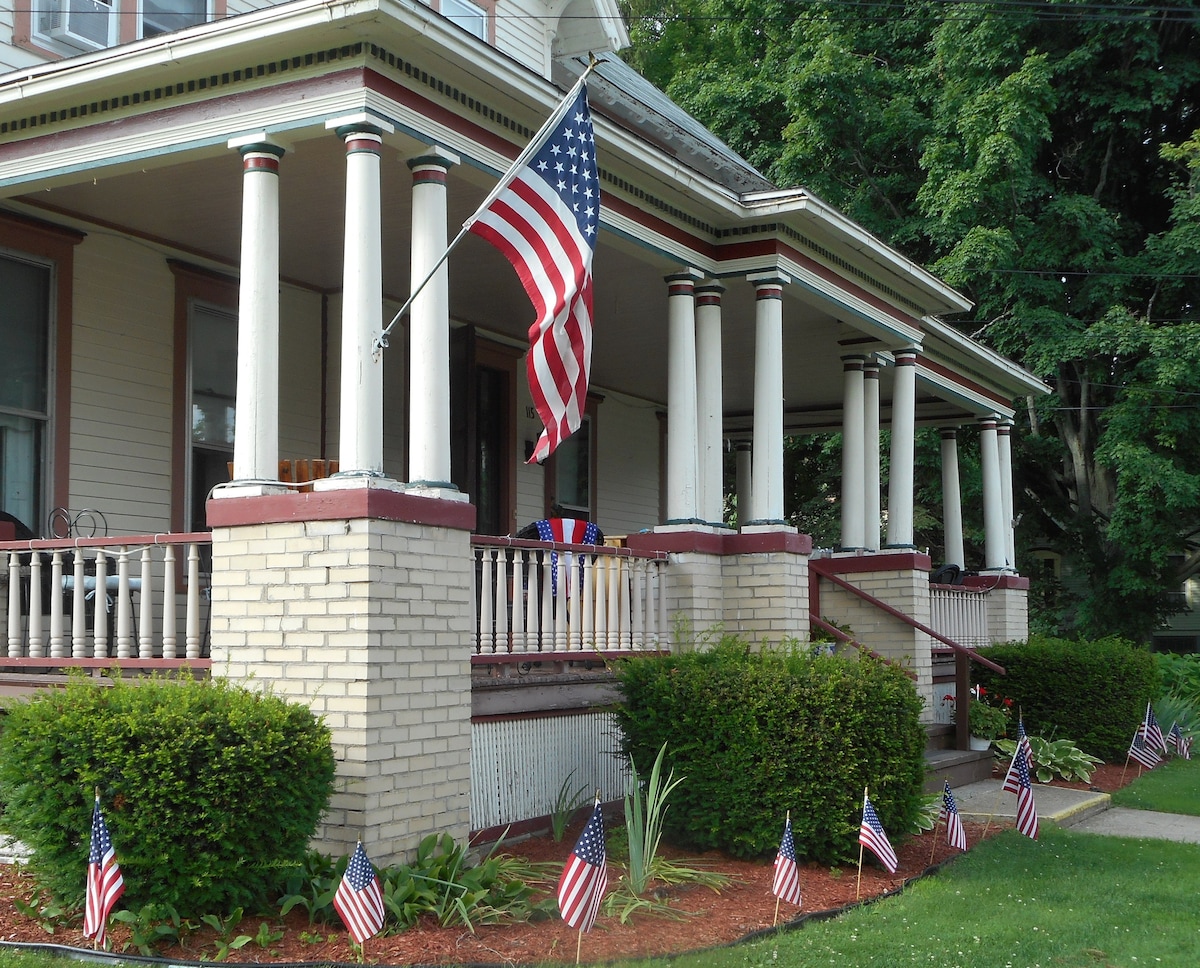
(710, 920)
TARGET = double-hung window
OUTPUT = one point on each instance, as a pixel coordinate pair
(25, 396)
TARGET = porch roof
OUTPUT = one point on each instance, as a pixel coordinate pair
(134, 139)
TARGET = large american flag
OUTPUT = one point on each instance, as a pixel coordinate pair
(359, 897)
(104, 881)
(585, 876)
(545, 223)
(785, 885)
(956, 834)
(871, 836)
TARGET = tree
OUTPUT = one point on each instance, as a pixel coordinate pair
(1044, 160)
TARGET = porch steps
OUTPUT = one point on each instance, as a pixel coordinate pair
(943, 762)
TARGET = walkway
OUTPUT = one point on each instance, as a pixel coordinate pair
(1079, 809)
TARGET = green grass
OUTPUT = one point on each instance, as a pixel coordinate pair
(1068, 900)
(25, 959)
(1173, 787)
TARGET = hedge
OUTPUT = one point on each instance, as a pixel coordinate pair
(1091, 691)
(210, 791)
(758, 734)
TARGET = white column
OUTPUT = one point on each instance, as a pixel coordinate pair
(256, 434)
(952, 500)
(768, 397)
(429, 357)
(1004, 447)
(993, 497)
(871, 515)
(682, 436)
(745, 483)
(361, 434)
(854, 472)
(900, 464)
(709, 402)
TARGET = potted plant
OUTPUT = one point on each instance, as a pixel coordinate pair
(986, 723)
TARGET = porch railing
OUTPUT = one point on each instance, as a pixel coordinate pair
(79, 600)
(960, 614)
(536, 597)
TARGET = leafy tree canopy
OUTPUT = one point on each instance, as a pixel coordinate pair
(1045, 160)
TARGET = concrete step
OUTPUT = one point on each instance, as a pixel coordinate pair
(960, 767)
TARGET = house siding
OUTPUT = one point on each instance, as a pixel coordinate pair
(520, 33)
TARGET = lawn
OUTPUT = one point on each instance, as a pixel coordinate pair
(1173, 787)
(1068, 900)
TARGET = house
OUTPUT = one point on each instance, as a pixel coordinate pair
(209, 215)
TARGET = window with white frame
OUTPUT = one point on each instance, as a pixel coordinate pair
(24, 386)
(74, 26)
(212, 333)
(164, 16)
(470, 16)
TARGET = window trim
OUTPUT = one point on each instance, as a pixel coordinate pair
(56, 245)
(550, 469)
(192, 284)
(489, 14)
(129, 27)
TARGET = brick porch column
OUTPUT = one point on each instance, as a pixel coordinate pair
(358, 602)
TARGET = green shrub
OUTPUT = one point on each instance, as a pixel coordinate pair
(1094, 691)
(759, 733)
(1180, 675)
(210, 791)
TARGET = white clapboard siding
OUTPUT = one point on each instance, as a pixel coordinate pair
(518, 766)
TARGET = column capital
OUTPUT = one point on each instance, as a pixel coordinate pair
(434, 157)
(361, 124)
(687, 276)
(948, 433)
(870, 369)
(906, 357)
(258, 142)
(769, 279)
(853, 361)
(709, 292)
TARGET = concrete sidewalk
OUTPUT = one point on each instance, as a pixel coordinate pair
(1080, 809)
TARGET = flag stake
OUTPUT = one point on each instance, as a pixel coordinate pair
(381, 341)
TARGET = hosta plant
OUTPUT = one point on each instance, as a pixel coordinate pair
(1059, 757)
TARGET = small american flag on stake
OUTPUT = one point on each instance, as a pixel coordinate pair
(1154, 735)
(871, 835)
(1182, 744)
(956, 835)
(785, 885)
(104, 881)
(1141, 750)
(585, 876)
(359, 897)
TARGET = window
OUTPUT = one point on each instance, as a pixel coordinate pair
(571, 471)
(25, 314)
(470, 16)
(205, 383)
(72, 26)
(163, 16)
(213, 335)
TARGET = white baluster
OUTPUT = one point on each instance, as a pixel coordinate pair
(503, 639)
(14, 605)
(124, 605)
(520, 640)
(78, 610)
(660, 632)
(35, 606)
(591, 628)
(146, 609)
(191, 631)
(56, 606)
(100, 608)
(549, 633)
(168, 606)
(614, 601)
(569, 587)
(487, 638)
(638, 628)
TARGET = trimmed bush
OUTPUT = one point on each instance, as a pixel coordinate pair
(756, 734)
(209, 790)
(1093, 692)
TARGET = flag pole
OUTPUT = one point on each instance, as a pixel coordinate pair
(535, 144)
(858, 883)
